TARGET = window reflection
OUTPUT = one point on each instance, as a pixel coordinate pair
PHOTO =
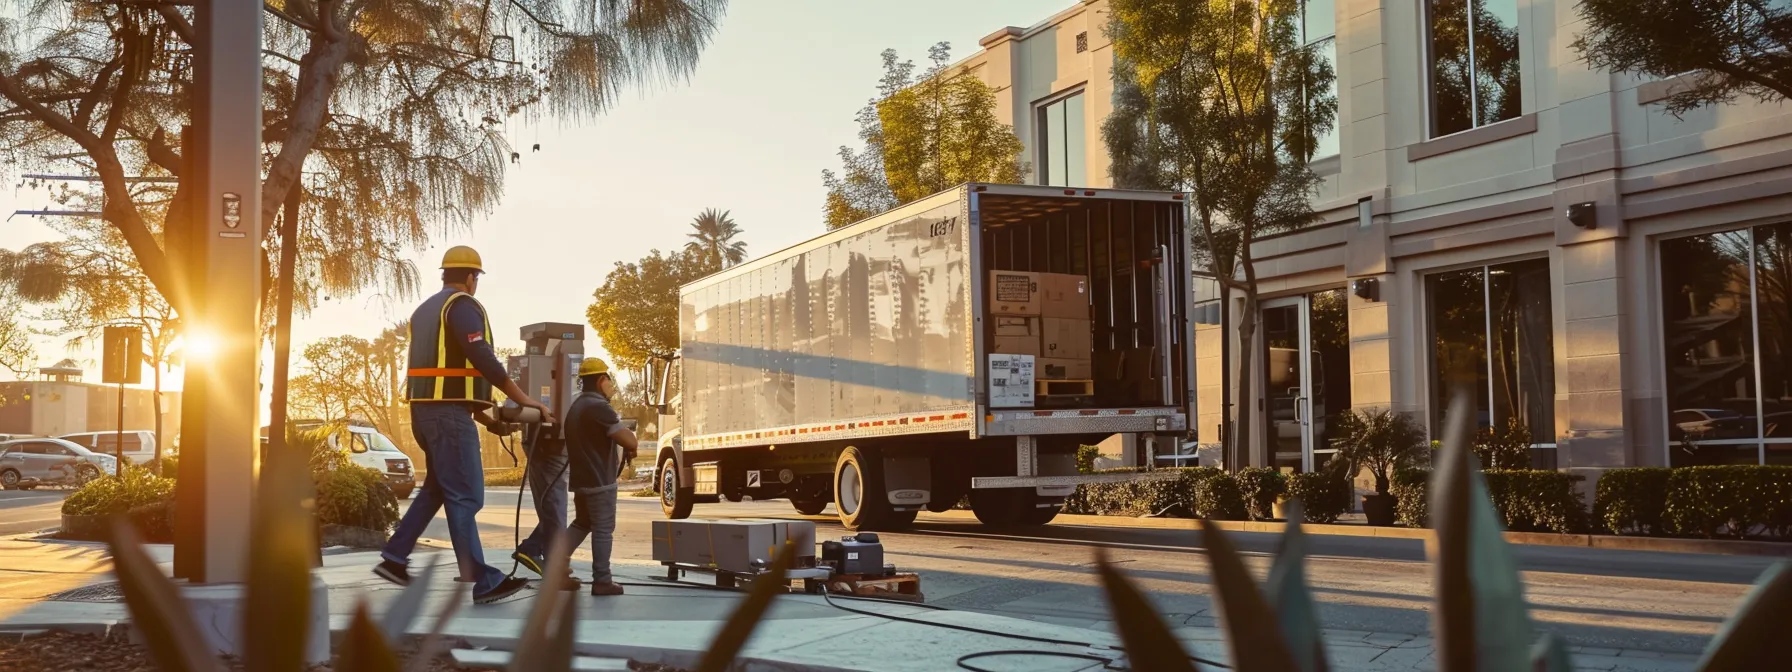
(1475, 63)
(1281, 339)
(1492, 337)
(1773, 277)
(1707, 314)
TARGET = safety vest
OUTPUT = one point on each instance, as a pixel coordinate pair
(438, 367)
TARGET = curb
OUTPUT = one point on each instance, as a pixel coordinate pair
(1601, 541)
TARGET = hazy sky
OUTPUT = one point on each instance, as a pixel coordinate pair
(750, 133)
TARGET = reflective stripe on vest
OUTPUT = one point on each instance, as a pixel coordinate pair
(438, 368)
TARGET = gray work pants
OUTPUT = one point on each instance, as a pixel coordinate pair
(547, 485)
(594, 515)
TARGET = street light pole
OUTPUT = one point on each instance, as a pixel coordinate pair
(220, 413)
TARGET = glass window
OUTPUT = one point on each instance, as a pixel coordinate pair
(1061, 143)
(1493, 337)
(1726, 323)
(1319, 28)
(1475, 63)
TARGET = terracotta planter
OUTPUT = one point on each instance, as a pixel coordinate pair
(1379, 509)
(83, 528)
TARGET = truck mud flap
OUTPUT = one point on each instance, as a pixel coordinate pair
(908, 480)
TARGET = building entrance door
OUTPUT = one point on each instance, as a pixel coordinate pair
(1306, 355)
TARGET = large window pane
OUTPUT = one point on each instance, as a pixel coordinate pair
(1496, 61)
(1773, 279)
(1328, 332)
(1062, 154)
(1522, 349)
(1326, 144)
(1709, 346)
(1452, 107)
(1281, 340)
(1319, 20)
(1458, 344)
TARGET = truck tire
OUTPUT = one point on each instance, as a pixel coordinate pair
(809, 507)
(1042, 516)
(1005, 507)
(675, 498)
(859, 496)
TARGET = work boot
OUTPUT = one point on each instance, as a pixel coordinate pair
(605, 589)
(394, 572)
(571, 583)
(504, 589)
(530, 562)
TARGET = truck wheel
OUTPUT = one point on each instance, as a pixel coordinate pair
(809, 507)
(859, 497)
(1003, 507)
(1039, 516)
(675, 498)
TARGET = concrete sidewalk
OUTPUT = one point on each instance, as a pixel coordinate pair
(67, 585)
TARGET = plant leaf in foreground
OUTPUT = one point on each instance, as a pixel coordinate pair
(537, 647)
(1149, 644)
(739, 628)
(364, 647)
(1291, 598)
(158, 611)
(1756, 631)
(403, 611)
(1252, 632)
(282, 543)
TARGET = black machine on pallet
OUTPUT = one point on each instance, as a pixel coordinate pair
(858, 554)
(738, 551)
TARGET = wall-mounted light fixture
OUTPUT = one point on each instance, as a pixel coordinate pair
(1582, 215)
(1367, 289)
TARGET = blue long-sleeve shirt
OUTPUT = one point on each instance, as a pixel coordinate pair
(466, 324)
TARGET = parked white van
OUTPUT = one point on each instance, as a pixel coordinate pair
(367, 447)
(139, 445)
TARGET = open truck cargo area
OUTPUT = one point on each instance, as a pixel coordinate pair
(961, 345)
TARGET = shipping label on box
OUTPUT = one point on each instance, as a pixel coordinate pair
(1067, 339)
(1051, 368)
(1064, 296)
(1010, 381)
(1013, 293)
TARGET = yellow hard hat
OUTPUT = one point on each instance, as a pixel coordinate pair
(461, 256)
(592, 366)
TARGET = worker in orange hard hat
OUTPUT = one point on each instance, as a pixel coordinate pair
(451, 375)
(599, 444)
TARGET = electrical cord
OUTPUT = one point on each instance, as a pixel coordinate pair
(963, 660)
(532, 436)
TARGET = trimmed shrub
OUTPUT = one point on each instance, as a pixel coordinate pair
(170, 467)
(1260, 487)
(139, 494)
(1323, 495)
(1505, 448)
(1526, 500)
(356, 496)
(1631, 501)
(1729, 501)
(1195, 491)
(1085, 458)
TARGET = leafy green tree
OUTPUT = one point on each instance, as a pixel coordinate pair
(1736, 47)
(351, 378)
(1218, 98)
(922, 135)
(712, 240)
(635, 312)
(17, 354)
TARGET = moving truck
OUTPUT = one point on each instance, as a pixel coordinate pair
(963, 345)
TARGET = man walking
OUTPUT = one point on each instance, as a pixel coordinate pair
(593, 435)
(452, 369)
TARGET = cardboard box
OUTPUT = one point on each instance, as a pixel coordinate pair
(1064, 296)
(1017, 345)
(1006, 325)
(1067, 339)
(1010, 381)
(1051, 368)
(728, 545)
(1013, 293)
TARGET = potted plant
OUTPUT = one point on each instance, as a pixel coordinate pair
(1380, 441)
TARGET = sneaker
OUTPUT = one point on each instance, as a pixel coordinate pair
(605, 589)
(504, 589)
(530, 562)
(394, 572)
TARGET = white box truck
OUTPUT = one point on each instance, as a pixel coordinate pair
(858, 368)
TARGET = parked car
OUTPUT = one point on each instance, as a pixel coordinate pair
(28, 463)
(367, 447)
(139, 444)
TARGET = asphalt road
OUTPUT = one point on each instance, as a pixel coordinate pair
(24, 511)
(1664, 602)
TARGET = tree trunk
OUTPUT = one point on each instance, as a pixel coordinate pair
(156, 397)
(289, 252)
(1247, 401)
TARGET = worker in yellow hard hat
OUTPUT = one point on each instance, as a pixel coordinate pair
(451, 375)
(599, 443)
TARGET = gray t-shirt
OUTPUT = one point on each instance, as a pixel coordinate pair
(591, 424)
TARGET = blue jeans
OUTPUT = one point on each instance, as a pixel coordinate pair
(547, 485)
(596, 517)
(456, 480)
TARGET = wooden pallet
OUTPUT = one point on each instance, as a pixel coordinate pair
(1064, 388)
(904, 586)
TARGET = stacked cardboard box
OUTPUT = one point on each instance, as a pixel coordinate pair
(1045, 315)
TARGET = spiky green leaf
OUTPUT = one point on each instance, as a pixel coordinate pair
(434, 643)
(158, 612)
(1252, 632)
(1482, 620)
(739, 628)
(1756, 631)
(1292, 599)
(282, 545)
(403, 611)
(1149, 644)
(536, 647)
(364, 647)
(1551, 655)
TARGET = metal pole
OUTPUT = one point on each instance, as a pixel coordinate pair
(118, 439)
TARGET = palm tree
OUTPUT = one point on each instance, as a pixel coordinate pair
(712, 240)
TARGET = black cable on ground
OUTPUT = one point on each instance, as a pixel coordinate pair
(963, 660)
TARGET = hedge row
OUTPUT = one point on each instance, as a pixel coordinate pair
(1738, 502)
(1526, 500)
(1193, 492)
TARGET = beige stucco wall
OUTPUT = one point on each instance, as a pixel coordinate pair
(1489, 195)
